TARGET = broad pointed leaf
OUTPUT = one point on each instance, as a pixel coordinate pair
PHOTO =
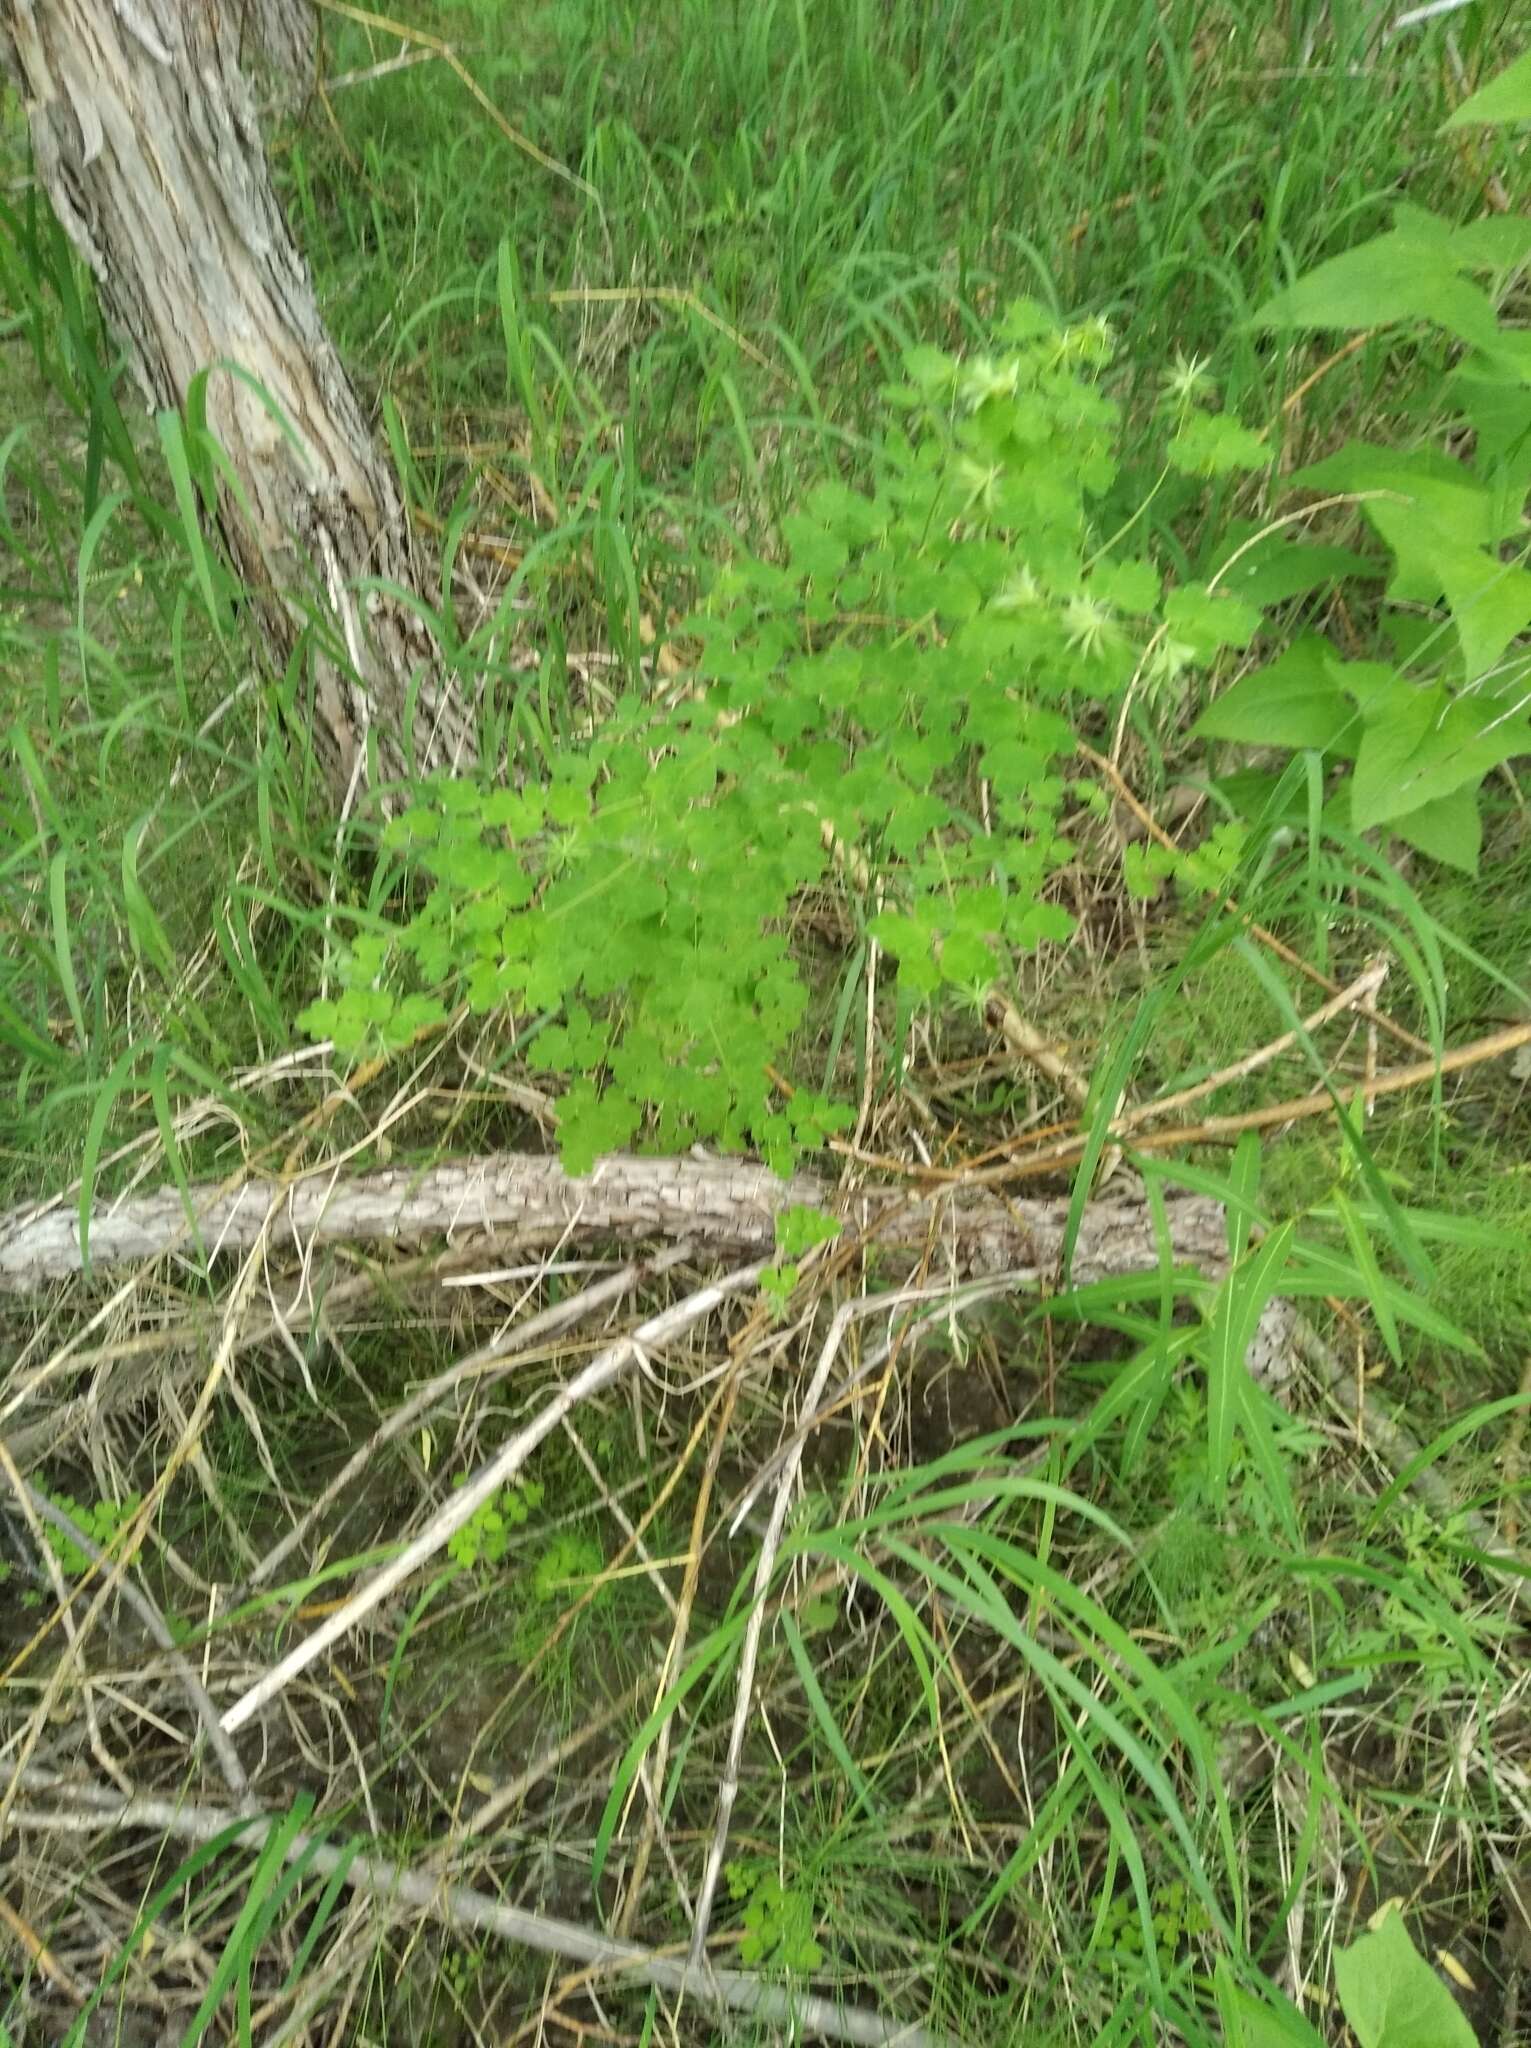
(1490, 600)
(1505, 98)
(1391, 1996)
(1449, 830)
(1294, 701)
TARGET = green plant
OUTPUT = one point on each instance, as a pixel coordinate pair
(1251, 1446)
(563, 1566)
(100, 1520)
(461, 1967)
(892, 706)
(798, 1230)
(481, 1542)
(1391, 1996)
(778, 1919)
(1439, 700)
(562, 1573)
(1177, 1917)
(833, 180)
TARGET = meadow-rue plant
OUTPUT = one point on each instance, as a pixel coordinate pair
(892, 702)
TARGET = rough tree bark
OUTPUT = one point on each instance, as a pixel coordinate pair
(280, 41)
(145, 139)
(720, 1203)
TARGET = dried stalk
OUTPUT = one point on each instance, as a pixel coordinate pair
(1268, 939)
(158, 1631)
(675, 1654)
(115, 1571)
(1061, 1153)
(1036, 1046)
(1391, 1081)
(728, 1789)
(1362, 990)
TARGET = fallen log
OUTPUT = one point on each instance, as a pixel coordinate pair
(721, 1205)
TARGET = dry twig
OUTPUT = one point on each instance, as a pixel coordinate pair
(1067, 1151)
(158, 1631)
(78, 1809)
(466, 1501)
(479, 1366)
(1266, 938)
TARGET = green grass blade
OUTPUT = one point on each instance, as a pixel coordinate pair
(1226, 1338)
(719, 1644)
(1361, 1250)
(58, 900)
(1106, 1096)
(95, 1133)
(190, 1868)
(177, 461)
(238, 1953)
(824, 1714)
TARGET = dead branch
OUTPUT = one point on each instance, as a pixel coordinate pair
(78, 1809)
(1061, 1154)
(1268, 939)
(718, 1205)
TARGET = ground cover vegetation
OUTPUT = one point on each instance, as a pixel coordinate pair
(985, 545)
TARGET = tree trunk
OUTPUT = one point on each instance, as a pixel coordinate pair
(146, 143)
(280, 41)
